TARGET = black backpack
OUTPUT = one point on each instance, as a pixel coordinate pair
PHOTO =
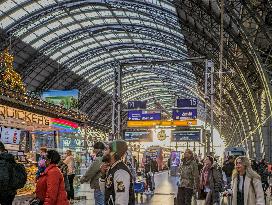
(5, 176)
(13, 176)
(19, 176)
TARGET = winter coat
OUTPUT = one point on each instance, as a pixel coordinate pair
(228, 168)
(64, 170)
(9, 158)
(215, 184)
(50, 187)
(253, 191)
(93, 174)
(70, 161)
(189, 174)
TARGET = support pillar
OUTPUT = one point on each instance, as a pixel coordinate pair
(116, 103)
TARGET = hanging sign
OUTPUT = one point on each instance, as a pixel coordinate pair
(9, 112)
(186, 103)
(144, 115)
(183, 114)
(186, 136)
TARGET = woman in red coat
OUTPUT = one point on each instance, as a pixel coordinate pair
(50, 187)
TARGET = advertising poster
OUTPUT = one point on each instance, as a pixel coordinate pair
(175, 159)
(65, 98)
(10, 136)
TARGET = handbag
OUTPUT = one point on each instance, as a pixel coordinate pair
(35, 201)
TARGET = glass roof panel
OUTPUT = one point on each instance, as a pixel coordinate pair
(89, 39)
(8, 5)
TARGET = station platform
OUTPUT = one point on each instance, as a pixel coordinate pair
(165, 192)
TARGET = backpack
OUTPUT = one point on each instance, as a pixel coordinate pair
(19, 176)
(4, 175)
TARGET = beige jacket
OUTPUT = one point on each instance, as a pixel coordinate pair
(252, 195)
(71, 164)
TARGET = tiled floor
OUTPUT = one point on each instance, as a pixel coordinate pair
(164, 193)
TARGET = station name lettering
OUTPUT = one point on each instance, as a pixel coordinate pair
(8, 112)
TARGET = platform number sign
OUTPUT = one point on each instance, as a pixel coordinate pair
(181, 103)
(136, 105)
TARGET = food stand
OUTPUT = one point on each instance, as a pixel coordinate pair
(27, 122)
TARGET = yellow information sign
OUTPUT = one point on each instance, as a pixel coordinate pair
(152, 123)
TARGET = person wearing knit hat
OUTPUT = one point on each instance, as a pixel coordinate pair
(116, 180)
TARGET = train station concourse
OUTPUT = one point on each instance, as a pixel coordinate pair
(156, 102)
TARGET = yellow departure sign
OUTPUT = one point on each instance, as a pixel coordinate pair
(153, 123)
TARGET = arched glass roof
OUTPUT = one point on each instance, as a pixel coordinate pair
(91, 37)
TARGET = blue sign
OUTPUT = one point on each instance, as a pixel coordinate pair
(136, 136)
(136, 105)
(144, 115)
(184, 114)
(186, 136)
(187, 102)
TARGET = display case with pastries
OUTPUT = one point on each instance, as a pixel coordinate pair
(30, 185)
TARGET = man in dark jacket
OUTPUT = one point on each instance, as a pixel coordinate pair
(93, 173)
(228, 168)
(6, 196)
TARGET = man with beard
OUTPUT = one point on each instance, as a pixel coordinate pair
(116, 180)
(93, 173)
(189, 177)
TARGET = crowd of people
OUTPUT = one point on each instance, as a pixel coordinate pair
(112, 177)
(109, 176)
(245, 180)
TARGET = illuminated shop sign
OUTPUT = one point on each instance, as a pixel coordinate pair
(9, 112)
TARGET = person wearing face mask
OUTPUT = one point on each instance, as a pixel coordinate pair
(41, 162)
(211, 183)
(50, 188)
(116, 180)
(93, 173)
(188, 179)
(246, 184)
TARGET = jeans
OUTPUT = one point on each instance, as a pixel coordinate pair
(98, 197)
(6, 199)
(71, 194)
(184, 196)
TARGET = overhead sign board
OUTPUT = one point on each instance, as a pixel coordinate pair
(143, 136)
(183, 114)
(181, 103)
(186, 136)
(152, 123)
(144, 115)
(137, 104)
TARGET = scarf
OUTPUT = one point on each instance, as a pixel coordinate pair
(204, 179)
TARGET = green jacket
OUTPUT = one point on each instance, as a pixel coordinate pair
(93, 173)
(189, 175)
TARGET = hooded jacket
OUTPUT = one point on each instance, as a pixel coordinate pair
(50, 187)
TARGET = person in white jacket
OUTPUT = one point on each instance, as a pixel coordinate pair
(116, 180)
(246, 184)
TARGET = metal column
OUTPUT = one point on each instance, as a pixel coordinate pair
(207, 140)
(210, 64)
(116, 103)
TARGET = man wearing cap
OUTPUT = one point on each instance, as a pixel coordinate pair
(93, 173)
(116, 180)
